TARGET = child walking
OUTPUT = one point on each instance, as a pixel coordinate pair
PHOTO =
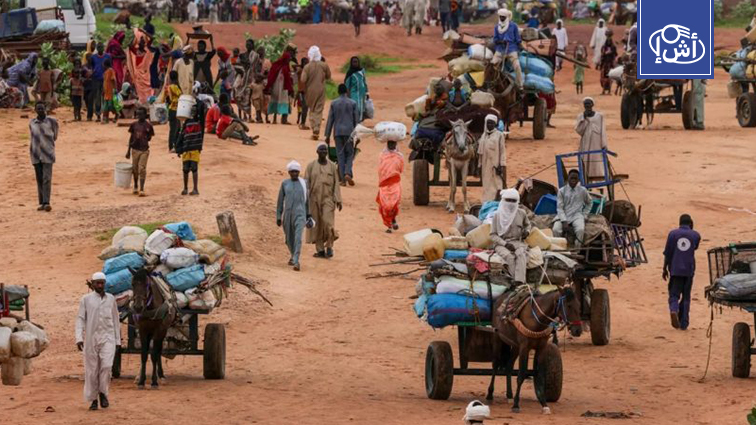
(189, 147)
(139, 148)
(577, 78)
(259, 99)
(77, 90)
(173, 92)
(45, 84)
(109, 84)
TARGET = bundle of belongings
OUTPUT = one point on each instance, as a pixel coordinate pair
(473, 267)
(194, 272)
(739, 284)
(20, 342)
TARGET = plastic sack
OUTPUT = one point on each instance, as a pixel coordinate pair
(390, 131)
(24, 345)
(5, 345)
(453, 285)
(50, 25)
(27, 366)
(181, 299)
(466, 222)
(187, 278)
(39, 335)
(464, 64)
(416, 107)
(179, 258)
(118, 282)
(488, 209)
(158, 242)
(455, 243)
(533, 64)
(124, 298)
(369, 109)
(159, 113)
(482, 99)
(616, 73)
(209, 251)
(448, 309)
(738, 70)
(479, 52)
(12, 371)
(132, 260)
(538, 83)
(126, 231)
(182, 229)
(127, 239)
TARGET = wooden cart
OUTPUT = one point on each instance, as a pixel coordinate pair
(213, 351)
(475, 342)
(11, 293)
(721, 262)
(654, 96)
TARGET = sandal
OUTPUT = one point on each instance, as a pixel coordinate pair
(320, 254)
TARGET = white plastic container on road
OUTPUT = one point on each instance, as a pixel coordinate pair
(123, 175)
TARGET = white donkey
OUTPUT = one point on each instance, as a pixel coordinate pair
(460, 150)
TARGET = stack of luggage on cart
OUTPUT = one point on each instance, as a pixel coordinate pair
(20, 342)
(196, 271)
(465, 276)
(738, 285)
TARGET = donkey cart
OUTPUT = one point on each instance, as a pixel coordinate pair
(735, 260)
(653, 97)
(183, 339)
(476, 342)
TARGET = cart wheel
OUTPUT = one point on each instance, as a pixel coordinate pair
(548, 379)
(539, 119)
(629, 111)
(439, 370)
(747, 110)
(741, 350)
(600, 317)
(688, 110)
(116, 371)
(214, 352)
(420, 187)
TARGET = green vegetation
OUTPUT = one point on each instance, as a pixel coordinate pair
(148, 227)
(379, 65)
(58, 60)
(332, 90)
(752, 417)
(106, 28)
(274, 45)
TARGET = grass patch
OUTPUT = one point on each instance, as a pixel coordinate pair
(380, 65)
(148, 227)
(105, 28)
(332, 90)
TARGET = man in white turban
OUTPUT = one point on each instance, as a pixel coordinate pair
(292, 212)
(598, 39)
(507, 40)
(313, 84)
(98, 333)
(560, 32)
(493, 159)
(591, 127)
(509, 228)
(324, 197)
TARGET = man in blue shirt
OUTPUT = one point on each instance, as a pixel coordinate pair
(97, 64)
(507, 40)
(679, 267)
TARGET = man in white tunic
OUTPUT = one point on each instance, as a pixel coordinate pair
(573, 206)
(98, 332)
(598, 39)
(592, 130)
(562, 40)
(493, 159)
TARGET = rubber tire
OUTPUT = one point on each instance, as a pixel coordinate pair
(548, 379)
(746, 110)
(628, 111)
(741, 350)
(439, 370)
(116, 370)
(420, 187)
(539, 119)
(214, 352)
(688, 110)
(600, 317)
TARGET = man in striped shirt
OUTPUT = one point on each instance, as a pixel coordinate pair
(44, 132)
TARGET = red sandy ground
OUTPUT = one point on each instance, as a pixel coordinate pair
(337, 348)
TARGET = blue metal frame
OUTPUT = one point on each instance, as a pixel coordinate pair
(561, 172)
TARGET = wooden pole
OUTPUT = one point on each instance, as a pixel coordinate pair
(228, 232)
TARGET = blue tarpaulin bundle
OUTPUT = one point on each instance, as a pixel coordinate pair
(117, 282)
(448, 309)
(182, 229)
(186, 278)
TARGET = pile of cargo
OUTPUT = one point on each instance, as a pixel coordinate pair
(20, 342)
(465, 276)
(197, 271)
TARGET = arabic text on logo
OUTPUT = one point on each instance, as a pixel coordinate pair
(676, 45)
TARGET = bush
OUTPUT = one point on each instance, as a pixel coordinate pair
(58, 60)
(718, 11)
(274, 45)
(743, 10)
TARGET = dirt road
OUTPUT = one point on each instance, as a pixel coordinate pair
(337, 348)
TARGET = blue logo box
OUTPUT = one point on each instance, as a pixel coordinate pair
(675, 39)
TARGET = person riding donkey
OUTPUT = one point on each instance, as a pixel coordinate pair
(507, 42)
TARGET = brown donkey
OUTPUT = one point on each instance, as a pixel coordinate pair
(530, 329)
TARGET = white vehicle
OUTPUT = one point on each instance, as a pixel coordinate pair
(79, 18)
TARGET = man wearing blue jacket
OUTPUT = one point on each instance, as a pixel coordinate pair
(507, 40)
(679, 267)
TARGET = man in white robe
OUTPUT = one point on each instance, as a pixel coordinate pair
(493, 159)
(562, 41)
(592, 130)
(598, 39)
(98, 333)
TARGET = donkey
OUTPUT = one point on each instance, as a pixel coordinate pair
(530, 329)
(460, 150)
(153, 315)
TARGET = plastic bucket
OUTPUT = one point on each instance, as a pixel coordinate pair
(185, 104)
(123, 175)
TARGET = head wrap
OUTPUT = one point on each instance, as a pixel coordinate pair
(507, 211)
(188, 49)
(491, 117)
(125, 88)
(601, 21)
(504, 26)
(321, 144)
(476, 411)
(559, 21)
(503, 12)
(589, 99)
(314, 54)
(98, 276)
(293, 166)
(353, 69)
(223, 53)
